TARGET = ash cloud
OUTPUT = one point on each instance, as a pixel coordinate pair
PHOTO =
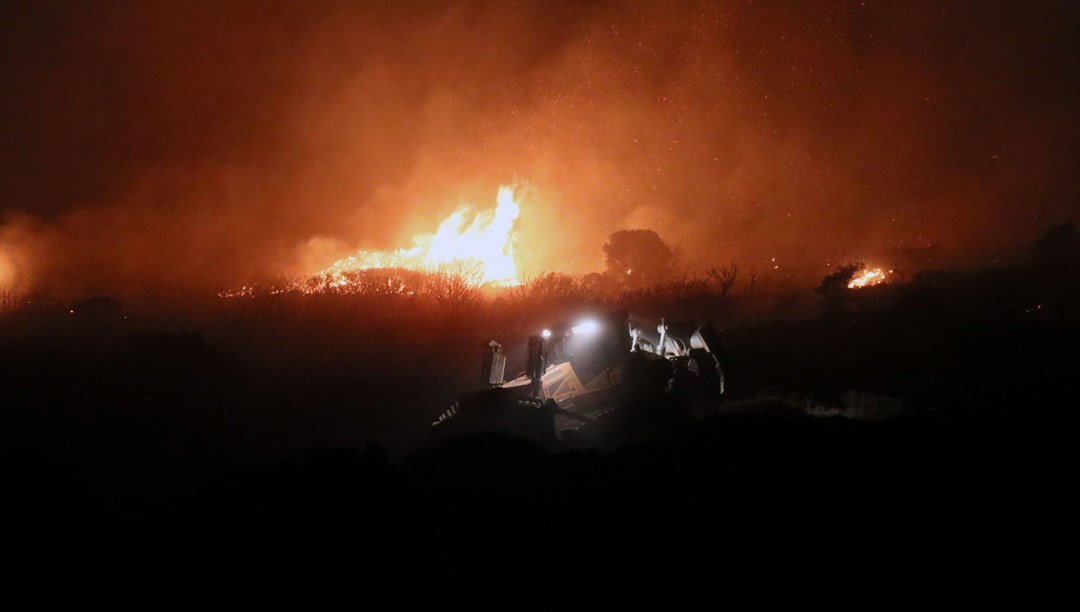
(196, 146)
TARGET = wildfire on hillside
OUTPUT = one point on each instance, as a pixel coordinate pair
(478, 246)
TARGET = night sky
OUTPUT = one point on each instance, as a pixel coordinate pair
(198, 145)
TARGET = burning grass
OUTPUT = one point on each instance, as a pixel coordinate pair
(473, 248)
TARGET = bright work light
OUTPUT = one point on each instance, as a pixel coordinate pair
(586, 327)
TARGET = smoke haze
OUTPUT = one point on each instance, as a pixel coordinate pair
(197, 146)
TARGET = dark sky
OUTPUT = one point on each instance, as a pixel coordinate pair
(198, 145)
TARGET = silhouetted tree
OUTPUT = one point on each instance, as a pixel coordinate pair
(638, 258)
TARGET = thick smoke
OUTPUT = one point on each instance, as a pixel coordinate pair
(195, 146)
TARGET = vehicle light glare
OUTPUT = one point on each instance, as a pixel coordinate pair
(586, 327)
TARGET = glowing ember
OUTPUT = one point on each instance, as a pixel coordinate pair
(868, 278)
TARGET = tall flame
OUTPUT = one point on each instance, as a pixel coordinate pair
(484, 240)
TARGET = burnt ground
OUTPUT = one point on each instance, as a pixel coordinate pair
(904, 443)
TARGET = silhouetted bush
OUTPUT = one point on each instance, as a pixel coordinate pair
(550, 287)
(838, 280)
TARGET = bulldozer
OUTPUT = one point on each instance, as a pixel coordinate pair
(593, 381)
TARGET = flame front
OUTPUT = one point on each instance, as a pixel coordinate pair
(477, 249)
(484, 242)
(868, 278)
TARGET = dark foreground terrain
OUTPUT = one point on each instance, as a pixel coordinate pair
(912, 443)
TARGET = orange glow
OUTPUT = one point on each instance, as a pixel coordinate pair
(478, 247)
(868, 278)
(7, 271)
(484, 241)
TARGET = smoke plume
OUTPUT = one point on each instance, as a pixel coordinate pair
(196, 146)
